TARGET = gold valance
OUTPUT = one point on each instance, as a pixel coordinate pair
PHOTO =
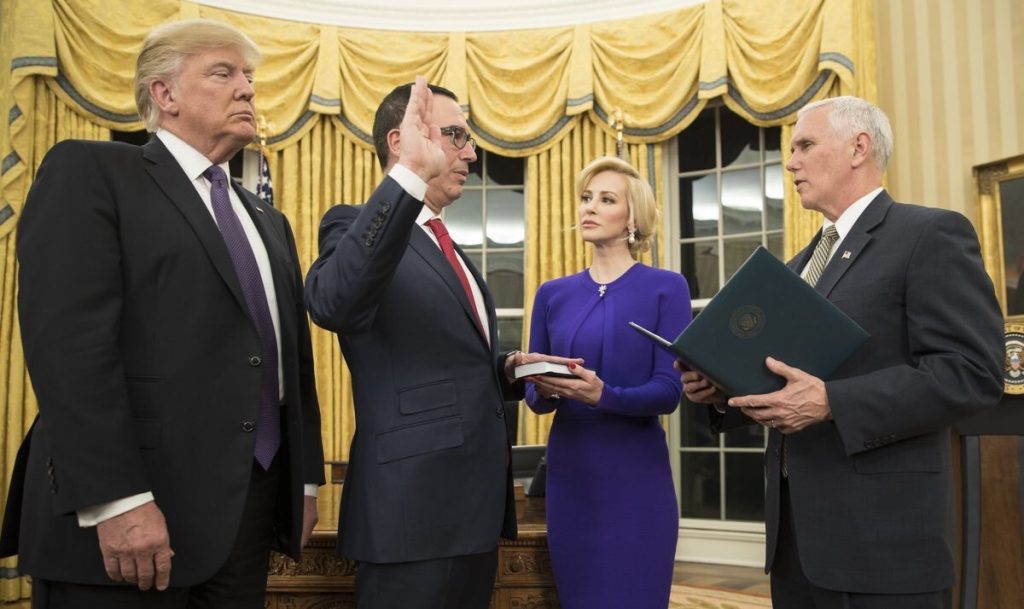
(520, 89)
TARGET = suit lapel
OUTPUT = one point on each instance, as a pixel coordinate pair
(492, 320)
(169, 176)
(850, 248)
(434, 257)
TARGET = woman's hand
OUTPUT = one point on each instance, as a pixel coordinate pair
(584, 387)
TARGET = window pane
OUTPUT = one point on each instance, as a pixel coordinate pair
(505, 279)
(737, 251)
(476, 171)
(510, 334)
(741, 201)
(740, 144)
(775, 245)
(772, 152)
(744, 487)
(504, 171)
(505, 224)
(698, 206)
(697, 143)
(693, 423)
(700, 486)
(773, 196)
(465, 219)
(700, 267)
(748, 436)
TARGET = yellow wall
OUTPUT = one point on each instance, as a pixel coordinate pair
(951, 79)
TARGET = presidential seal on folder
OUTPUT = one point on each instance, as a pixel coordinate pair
(765, 309)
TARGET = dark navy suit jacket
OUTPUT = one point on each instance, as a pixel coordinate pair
(429, 473)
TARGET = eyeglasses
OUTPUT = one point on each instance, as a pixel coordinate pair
(459, 137)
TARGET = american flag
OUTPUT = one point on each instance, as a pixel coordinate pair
(264, 189)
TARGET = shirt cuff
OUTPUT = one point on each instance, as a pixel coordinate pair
(409, 181)
(310, 490)
(93, 515)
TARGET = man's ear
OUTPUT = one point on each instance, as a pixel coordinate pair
(394, 138)
(163, 95)
(861, 149)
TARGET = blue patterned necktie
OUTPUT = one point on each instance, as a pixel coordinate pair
(268, 425)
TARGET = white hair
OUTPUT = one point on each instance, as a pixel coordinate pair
(850, 115)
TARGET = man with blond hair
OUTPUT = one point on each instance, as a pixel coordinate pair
(178, 437)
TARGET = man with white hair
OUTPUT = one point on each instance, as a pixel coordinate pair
(858, 505)
(178, 437)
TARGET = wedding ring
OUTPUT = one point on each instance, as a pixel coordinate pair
(771, 423)
(555, 396)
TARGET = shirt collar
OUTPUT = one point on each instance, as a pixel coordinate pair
(191, 160)
(426, 215)
(845, 222)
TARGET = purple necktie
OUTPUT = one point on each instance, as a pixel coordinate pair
(268, 427)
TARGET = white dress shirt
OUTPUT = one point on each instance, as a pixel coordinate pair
(844, 223)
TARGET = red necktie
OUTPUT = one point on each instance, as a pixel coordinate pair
(445, 241)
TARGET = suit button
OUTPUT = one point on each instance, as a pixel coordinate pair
(500, 412)
(248, 426)
(255, 360)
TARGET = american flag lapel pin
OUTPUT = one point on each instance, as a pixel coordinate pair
(846, 254)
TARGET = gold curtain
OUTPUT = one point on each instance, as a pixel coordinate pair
(17, 401)
(543, 94)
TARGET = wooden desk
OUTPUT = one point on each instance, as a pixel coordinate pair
(321, 580)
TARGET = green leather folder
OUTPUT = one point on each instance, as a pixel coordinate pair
(765, 309)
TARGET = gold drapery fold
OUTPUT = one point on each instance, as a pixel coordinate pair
(17, 401)
(648, 68)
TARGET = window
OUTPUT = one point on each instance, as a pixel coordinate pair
(489, 224)
(729, 176)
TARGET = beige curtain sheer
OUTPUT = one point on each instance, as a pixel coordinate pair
(540, 94)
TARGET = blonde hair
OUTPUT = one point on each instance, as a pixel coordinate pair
(643, 209)
(166, 48)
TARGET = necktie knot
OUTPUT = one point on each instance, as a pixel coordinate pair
(437, 227)
(830, 235)
(215, 174)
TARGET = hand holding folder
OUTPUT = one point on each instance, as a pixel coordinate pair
(764, 310)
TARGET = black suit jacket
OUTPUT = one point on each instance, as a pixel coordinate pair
(870, 489)
(429, 472)
(138, 343)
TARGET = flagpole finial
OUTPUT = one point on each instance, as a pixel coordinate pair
(617, 121)
(261, 129)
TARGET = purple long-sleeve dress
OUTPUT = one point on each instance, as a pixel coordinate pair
(611, 507)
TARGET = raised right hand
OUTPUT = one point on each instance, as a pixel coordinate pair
(136, 547)
(419, 138)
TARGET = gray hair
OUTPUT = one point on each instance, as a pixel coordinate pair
(165, 49)
(850, 115)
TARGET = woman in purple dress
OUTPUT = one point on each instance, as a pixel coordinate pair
(611, 506)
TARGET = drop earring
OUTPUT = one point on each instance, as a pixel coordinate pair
(632, 237)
